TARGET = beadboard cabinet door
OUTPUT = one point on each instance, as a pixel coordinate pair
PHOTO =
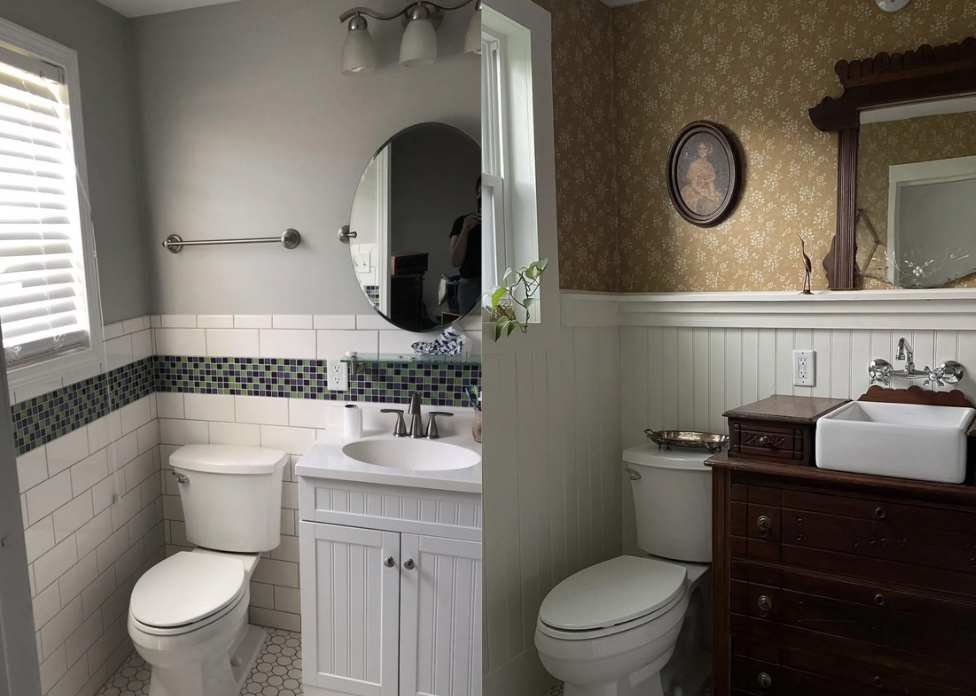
(352, 593)
(440, 617)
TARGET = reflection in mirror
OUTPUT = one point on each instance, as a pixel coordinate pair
(416, 215)
(916, 195)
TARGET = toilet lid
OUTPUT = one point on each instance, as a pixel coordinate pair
(186, 588)
(613, 592)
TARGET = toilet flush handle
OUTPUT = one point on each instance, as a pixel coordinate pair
(634, 476)
(180, 478)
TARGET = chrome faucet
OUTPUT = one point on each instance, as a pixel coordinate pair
(417, 429)
(906, 353)
(881, 371)
(416, 417)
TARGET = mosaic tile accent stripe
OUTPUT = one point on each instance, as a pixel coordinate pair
(55, 414)
(439, 385)
(373, 294)
(44, 418)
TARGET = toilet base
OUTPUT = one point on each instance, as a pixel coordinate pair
(223, 676)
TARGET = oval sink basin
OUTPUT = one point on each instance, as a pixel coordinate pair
(411, 455)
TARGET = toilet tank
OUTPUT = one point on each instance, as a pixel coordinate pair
(231, 496)
(673, 502)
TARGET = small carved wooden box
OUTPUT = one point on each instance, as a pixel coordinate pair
(778, 429)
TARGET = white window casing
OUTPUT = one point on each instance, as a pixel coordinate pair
(518, 184)
(49, 303)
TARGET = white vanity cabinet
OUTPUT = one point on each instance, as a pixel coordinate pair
(391, 590)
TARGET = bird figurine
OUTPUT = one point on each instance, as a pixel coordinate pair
(807, 267)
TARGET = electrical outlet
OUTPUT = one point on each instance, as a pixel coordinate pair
(804, 368)
(338, 376)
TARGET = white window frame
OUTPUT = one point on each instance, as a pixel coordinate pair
(25, 42)
(523, 157)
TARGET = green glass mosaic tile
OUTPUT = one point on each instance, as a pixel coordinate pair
(49, 416)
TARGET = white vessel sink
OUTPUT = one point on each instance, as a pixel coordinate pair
(411, 455)
(926, 443)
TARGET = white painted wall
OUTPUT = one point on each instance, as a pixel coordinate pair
(249, 128)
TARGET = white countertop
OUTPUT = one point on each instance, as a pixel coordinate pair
(325, 460)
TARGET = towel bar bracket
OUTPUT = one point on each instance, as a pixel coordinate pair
(290, 239)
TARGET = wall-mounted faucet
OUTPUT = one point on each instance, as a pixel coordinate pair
(881, 371)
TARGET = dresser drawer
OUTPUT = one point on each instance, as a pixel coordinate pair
(865, 537)
(867, 612)
(762, 441)
(765, 669)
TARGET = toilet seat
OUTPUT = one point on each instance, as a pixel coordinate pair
(186, 592)
(612, 597)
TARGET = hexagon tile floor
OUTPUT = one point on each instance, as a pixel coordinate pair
(278, 671)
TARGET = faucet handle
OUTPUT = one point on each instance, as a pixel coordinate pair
(934, 376)
(879, 370)
(432, 433)
(415, 402)
(400, 429)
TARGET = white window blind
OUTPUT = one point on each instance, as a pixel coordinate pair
(43, 296)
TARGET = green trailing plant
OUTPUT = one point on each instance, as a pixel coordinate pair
(518, 289)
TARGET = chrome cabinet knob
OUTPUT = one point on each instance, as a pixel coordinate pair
(389, 562)
(764, 525)
(765, 682)
(765, 605)
(409, 564)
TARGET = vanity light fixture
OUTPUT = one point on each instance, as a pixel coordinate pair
(892, 5)
(419, 44)
(359, 51)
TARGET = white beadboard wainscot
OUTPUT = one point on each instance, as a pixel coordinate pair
(685, 358)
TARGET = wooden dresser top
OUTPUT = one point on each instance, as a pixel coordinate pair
(787, 409)
(940, 492)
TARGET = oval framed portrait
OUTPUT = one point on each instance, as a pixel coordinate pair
(704, 173)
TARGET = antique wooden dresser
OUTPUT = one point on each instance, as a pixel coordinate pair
(836, 584)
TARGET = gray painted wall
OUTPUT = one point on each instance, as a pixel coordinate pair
(103, 40)
(249, 128)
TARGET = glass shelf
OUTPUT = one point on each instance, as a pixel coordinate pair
(412, 358)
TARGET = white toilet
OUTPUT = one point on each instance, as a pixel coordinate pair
(641, 626)
(188, 614)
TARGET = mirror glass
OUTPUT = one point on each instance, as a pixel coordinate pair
(418, 200)
(916, 195)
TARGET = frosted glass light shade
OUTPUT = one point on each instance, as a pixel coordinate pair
(472, 40)
(419, 45)
(359, 52)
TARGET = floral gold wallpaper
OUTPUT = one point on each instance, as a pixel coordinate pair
(582, 56)
(755, 66)
(923, 139)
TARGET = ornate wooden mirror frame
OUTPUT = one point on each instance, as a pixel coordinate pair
(925, 74)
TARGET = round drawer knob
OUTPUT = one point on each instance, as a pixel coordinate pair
(764, 524)
(879, 599)
(762, 441)
(765, 682)
(765, 605)
(879, 513)
(878, 682)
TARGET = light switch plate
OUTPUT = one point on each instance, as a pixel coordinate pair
(804, 368)
(361, 262)
(338, 376)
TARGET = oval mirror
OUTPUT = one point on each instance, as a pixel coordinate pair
(416, 219)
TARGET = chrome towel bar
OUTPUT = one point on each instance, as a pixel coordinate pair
(290, 239)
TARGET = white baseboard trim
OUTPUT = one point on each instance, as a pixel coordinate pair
(524, 676)
(951, 310)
